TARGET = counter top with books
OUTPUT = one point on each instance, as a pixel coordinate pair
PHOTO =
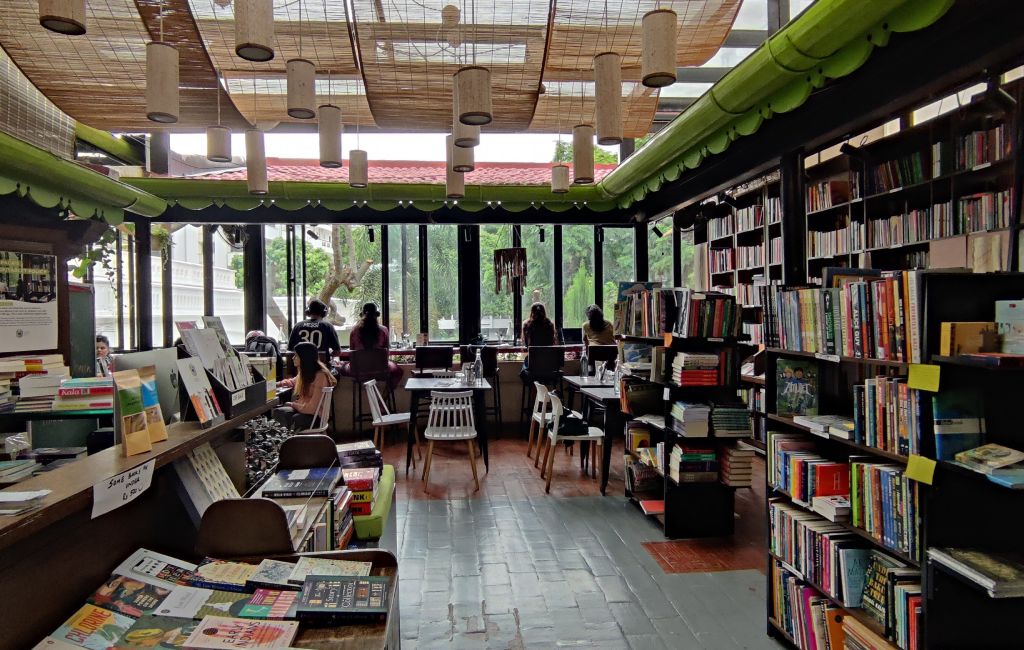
(71, 486)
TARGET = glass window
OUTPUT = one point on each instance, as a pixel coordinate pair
(229, 284)
(540, 275)
(577, 273)
(753, 14)
(618, 264)
(659, 253)
(443, 282)
(187, 274)
(108, 305)
(688, 259)
(343, 269)
(496, 316)
(404, 280)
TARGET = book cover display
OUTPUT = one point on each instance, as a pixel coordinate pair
(223, 632)
(796, 386)
(128, 596)
(155, 568)
(319, 566)
(93, 627)
(157, 632)
(131, 423)
(344, 598)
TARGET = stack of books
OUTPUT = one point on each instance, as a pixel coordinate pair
(825, 425)
(31, 379)
(362, 482)
(85, 394)
(692, 464)
(999, 574)
(6, 396)
(737, 469)
(341, 523)
(360, 454)
(730, 420)
(694, 369)
(12, 471)
(690, 419)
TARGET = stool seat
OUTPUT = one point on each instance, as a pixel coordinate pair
(388, 419)
(449, 433)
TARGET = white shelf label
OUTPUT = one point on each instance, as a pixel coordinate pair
(834, 358)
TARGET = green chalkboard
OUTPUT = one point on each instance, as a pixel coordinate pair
(82, 307)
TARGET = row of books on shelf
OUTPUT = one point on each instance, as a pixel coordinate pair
(750, 256)
(935, 222)
(890, 599)
(828, 193)
(223, 604)
(970, 150)
(828, 243)
(754, 332)
(703, 419)
(644, 309)
(721, 260)
(694, 463)
(754, 398)
(750, 294)
(883, 502)
(705, 314)
(908, 169)
(861, 313)
(721, 227)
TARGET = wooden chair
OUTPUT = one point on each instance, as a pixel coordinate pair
(322, 417)
(384, 419)
(593, 435)
(451, 419)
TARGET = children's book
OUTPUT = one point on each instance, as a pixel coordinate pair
(796, 387)
(93, 627)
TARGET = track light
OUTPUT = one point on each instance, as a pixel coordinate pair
(727, 200)
(600, 234)
(998, 99)
(657, 231)
(370, 234)
(541, 234)
(312, 234)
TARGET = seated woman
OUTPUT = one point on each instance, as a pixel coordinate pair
(369, 334)
(307, 385)
(538, 329)
(597, 331)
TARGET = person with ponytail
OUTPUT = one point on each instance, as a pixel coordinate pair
(307, 386)
(369, 334)
(596, 330)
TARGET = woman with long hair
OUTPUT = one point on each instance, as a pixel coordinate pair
(369, 334)
(538, 329)
(307, 386)
(597, 330)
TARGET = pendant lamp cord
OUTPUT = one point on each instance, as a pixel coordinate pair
(160, 19)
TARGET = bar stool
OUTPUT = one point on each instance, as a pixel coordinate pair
(543, 364)
(433, 357)
(364, 366)
(489, 356)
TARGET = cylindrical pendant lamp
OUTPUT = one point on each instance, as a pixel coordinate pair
(583, 154)
(218, 144)
(255, 162)
(161, 82)
(466, 135)
(254, 29)
(560, 178)
(455, 182)
(330, 136)
(658, 62)
(301, 89)
(473, 89)
(462, 157)
(358, 168)
(63, 16)
(608, 97)
(455, 37)
(450, 15)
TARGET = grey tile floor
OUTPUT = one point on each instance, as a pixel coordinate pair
(560, 572)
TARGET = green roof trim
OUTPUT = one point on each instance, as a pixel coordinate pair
(831, 39)
(42, 177)
(119, 148)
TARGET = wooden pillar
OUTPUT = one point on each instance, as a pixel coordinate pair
(641, 267)
(469, 282)
(385, 280)
(556, 270)
(794, 269)
(599, 266)
(424, 324)
(144, 283)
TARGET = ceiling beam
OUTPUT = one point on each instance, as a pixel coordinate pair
(745, 38)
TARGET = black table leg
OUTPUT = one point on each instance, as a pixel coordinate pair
(612, 426)
(415, 407)
(481, 427)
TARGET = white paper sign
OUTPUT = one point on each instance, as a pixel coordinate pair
(118, 490)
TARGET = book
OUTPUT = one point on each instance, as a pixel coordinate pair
(272, 574)
(959, 421)
(215, 632)
(156, 632)
(128, 596)
(325, 567)
(1000, 574)
(653, 507)
(957, 338)
(222, 575)
(156, 569)
(990, 457)
(360, 478)
(313, 482)
(796, 387)
(93, 627)
(184, 602)
(270, 604)
(343, 599)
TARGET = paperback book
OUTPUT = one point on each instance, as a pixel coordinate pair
(128, 596)
(222, 575)
(270, 604)
(313, 482)
(157, 632)
(796, 386)
(344, 599)
(272, 574)
(216, 632)
(93, 627)
(320, 566)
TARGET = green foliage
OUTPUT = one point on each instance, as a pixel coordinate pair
(578, 296)
(103, 252)
(563, 153)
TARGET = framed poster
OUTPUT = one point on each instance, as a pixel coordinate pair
(28, 302)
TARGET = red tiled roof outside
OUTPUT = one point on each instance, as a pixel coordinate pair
(403, 171)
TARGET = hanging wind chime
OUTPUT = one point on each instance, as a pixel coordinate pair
(509, 264)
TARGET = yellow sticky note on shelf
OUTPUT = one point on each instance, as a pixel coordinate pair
(920, 469)
(924, 376)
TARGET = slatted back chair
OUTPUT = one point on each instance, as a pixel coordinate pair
(322, 417)
(538, 420)
(593, 435)
(383, 418)
(450, 419)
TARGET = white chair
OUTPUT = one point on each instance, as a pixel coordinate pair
(539, 419)
(383, 419)
(450, 419)
(322, 417)
(593, 435)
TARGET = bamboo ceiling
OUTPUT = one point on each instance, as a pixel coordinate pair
(396, 75)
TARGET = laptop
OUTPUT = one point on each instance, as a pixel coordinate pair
(572, 335)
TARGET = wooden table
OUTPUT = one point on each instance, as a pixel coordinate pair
(606, 397)
(417, 386)
(577, 383)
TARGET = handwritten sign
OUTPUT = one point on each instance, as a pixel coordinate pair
(118, 490)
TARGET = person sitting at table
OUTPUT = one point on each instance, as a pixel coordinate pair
(597, 330)
(537, 330)
(316, 331)
(104, 364)
(369, 334)
(307, 387)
